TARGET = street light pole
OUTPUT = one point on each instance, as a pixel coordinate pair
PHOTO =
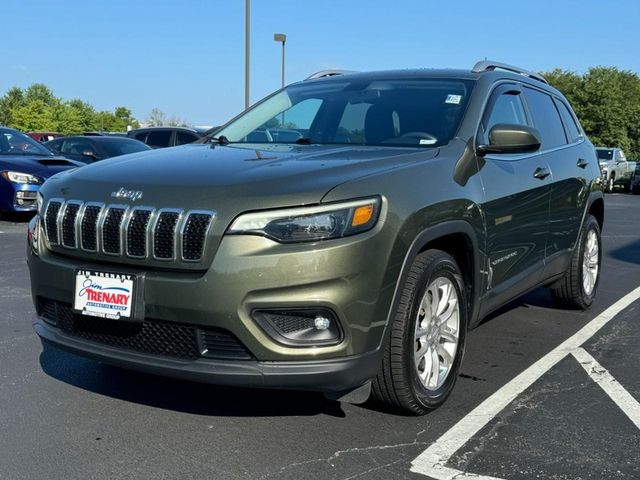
(281, 37)
(247, 38)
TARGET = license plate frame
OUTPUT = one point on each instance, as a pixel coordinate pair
(108, 294)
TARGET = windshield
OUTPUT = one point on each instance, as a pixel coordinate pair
(121, 146)
(605, 153)
(13, 142)
(395, 112)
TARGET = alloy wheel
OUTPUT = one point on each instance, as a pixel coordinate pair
(437, 333)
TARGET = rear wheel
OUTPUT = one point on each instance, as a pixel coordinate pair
(426, 338)
(578, 287)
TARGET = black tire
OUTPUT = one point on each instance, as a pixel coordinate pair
(635, 189)
(569, 292)
(397, 384)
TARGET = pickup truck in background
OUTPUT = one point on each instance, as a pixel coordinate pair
(616, 170)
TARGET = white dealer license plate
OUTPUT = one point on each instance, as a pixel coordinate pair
(104, 294)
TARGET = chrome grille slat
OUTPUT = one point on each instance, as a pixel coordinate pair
(89, 227)
(120, 230)
(51, 221)
(69, 224)
(194, 234)
(137, 232)
(164, 234)
(112, 230)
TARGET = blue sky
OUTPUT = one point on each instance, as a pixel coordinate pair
(186, 57)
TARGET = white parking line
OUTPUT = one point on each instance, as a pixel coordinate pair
(610, 385)
(432, 462)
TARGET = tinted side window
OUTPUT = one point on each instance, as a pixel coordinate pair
(185, 137)
(142, 136)
(76, 147)
(508, 108)
(573, 132)
(159, 138)
(545, 118)
(55, 145)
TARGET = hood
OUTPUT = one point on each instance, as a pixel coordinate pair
(41, 166)
(229, 178)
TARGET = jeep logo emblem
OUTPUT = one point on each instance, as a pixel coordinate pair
(132, 195)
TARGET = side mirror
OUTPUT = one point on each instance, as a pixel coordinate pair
(90, 154)
(507, 138)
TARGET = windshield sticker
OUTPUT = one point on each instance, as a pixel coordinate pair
(454, 99)
(427, 141)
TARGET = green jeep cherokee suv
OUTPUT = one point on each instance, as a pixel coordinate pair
(349, 256)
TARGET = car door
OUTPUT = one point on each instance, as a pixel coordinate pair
(571, 160)
(516, 207)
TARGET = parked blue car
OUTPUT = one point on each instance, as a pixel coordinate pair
(24, 166)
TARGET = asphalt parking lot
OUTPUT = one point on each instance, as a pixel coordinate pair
(543, 393)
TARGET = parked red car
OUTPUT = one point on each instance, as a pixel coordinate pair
(44, 136)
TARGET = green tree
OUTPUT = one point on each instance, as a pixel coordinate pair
(37, 108)
(14, 98)
(607, 102)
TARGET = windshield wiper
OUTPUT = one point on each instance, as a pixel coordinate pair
(221, 140)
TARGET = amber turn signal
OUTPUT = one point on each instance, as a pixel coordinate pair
(362, 215)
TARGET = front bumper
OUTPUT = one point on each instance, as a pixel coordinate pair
(347, 276)
(19, 197)
(323, 376)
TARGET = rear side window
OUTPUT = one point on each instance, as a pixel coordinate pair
(573, 132)
(508, 108)
(159, 138)
(76, 147)
(185, 137)
(545, 118)
(142, 136)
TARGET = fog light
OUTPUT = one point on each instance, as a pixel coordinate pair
(300, 327)
(321, 323)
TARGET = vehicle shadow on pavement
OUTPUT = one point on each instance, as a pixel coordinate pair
(180, 395)
(538, 298)
(627, 253)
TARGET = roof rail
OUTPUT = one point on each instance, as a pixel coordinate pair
(489, 65)
(328, 73)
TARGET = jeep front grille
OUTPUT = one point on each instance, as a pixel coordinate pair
(120, 230)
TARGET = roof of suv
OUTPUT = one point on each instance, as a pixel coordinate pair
(482, 69)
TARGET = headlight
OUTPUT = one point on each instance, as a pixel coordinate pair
(310, 224)
(19, 177)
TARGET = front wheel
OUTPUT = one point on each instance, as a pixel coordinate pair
(425, 342)
(577, 288)
(610, 184)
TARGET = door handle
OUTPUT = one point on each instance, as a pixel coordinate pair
(541, 173)
(582, 163)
